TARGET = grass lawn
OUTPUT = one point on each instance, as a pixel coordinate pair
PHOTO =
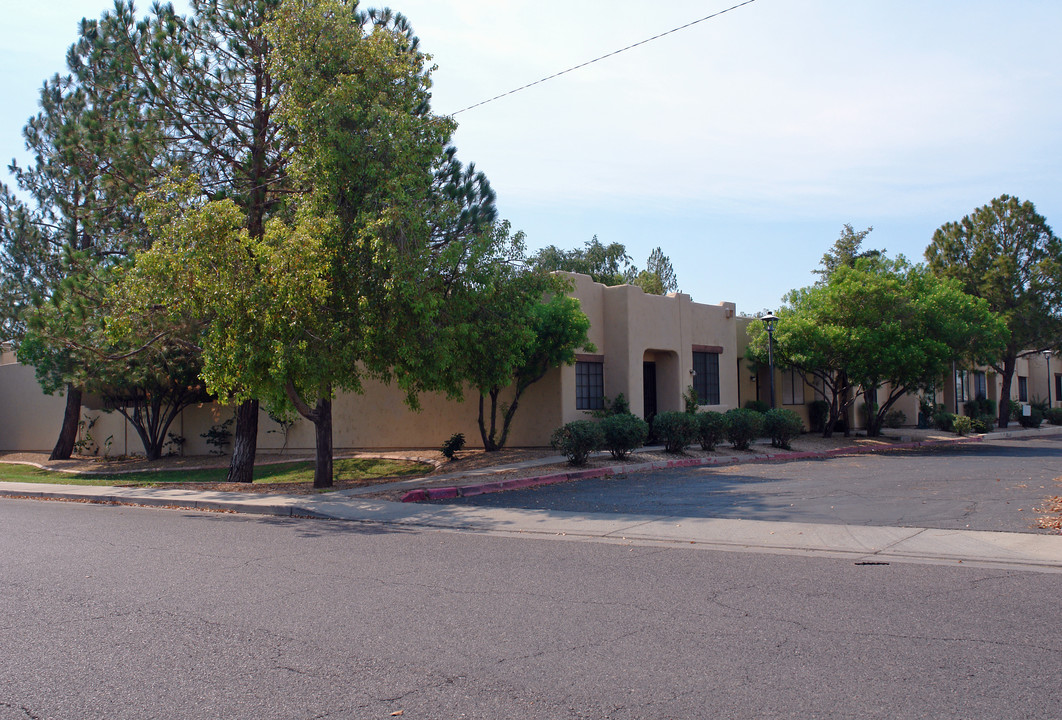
(343, 470)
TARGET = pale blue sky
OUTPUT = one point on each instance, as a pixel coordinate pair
(740, 145)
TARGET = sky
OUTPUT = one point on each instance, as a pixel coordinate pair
(740, 145)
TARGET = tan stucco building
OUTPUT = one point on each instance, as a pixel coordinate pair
(648, 347)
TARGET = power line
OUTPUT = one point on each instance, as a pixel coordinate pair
(615, 52)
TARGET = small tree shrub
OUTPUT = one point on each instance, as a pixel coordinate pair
(219, 436)
(453, 445)
(757, 406)
(577, 440)
(983, 423)
(818, 414)
(711, 429)
(619, 406)
(782, 427)
(1033, 419)
(895, 419)
(742, 427)
(690, 400)
(962, 424)
(678, 430)
(1015, 409)
(623, 434)
(1054, 416)
(944, 420)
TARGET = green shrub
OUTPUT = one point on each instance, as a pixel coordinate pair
(782, 426)
(711, 429)
(678, 430)
(1014, 408)
(895, 419)
(944, 420)
(577, 440)
(690, 400)
(742, 427)
(619, 406)
(1054, 416)
(983, 423)
(1033, 419)
(758, 406)
(962, 424)
(623, 434)
(818, 415)
(451, 446)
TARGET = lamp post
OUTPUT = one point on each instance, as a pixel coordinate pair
(1047, 354)
(769, 320)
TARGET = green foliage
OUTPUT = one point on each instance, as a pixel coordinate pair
(782, 426)
(577, 440)
(845, 252)
(1014, 410)
(962, 425)
(690, 400)
(743, 426)
(818, 415)
(678, 430)
(453, 445)
(1005, 253)
(512, 326)
(219, 436)
(1033, 419)
(610, 265)
(944, 420)
(711, 429)
(1054, 416)
(618, 406)
(757, 406)
(983, 423)
(895, 419)
(980, 406)
(623, 433)
(877, 323)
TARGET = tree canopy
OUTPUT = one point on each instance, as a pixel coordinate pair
(610, 265)
(1005, 253)
(876, 323)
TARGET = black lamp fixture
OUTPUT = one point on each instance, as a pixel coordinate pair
(769, 320)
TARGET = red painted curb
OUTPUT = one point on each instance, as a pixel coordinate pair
(423, 494)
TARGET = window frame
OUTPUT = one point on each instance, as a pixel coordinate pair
(589, 384)
(706, 375)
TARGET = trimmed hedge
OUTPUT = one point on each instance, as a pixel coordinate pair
(782, 426)
(711, 429)
(623, 434)
(742, 427)
(577, 440)
(678, 430)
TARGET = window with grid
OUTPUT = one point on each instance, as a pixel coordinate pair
(792, 387)
(589, 385)
(706, 379)
(981, 385)
(960, 386)
(1023, 389)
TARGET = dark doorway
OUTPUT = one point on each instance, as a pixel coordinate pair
(649, 390)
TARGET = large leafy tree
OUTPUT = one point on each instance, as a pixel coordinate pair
(878, 323)
(1005, 253)
(514, 325)
(94, 146)
(353, 282)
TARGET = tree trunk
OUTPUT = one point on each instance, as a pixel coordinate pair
(322, 471)
(1004, 394)
(245, 443)
(64, 446)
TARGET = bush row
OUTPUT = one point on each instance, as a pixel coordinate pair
(623, 433)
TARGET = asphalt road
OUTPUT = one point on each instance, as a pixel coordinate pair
(979, 486)
(120, 612)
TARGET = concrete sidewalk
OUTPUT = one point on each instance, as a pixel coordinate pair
(860, 544)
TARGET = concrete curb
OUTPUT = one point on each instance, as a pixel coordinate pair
(449, 493)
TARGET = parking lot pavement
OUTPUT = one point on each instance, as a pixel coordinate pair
(993, 486)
